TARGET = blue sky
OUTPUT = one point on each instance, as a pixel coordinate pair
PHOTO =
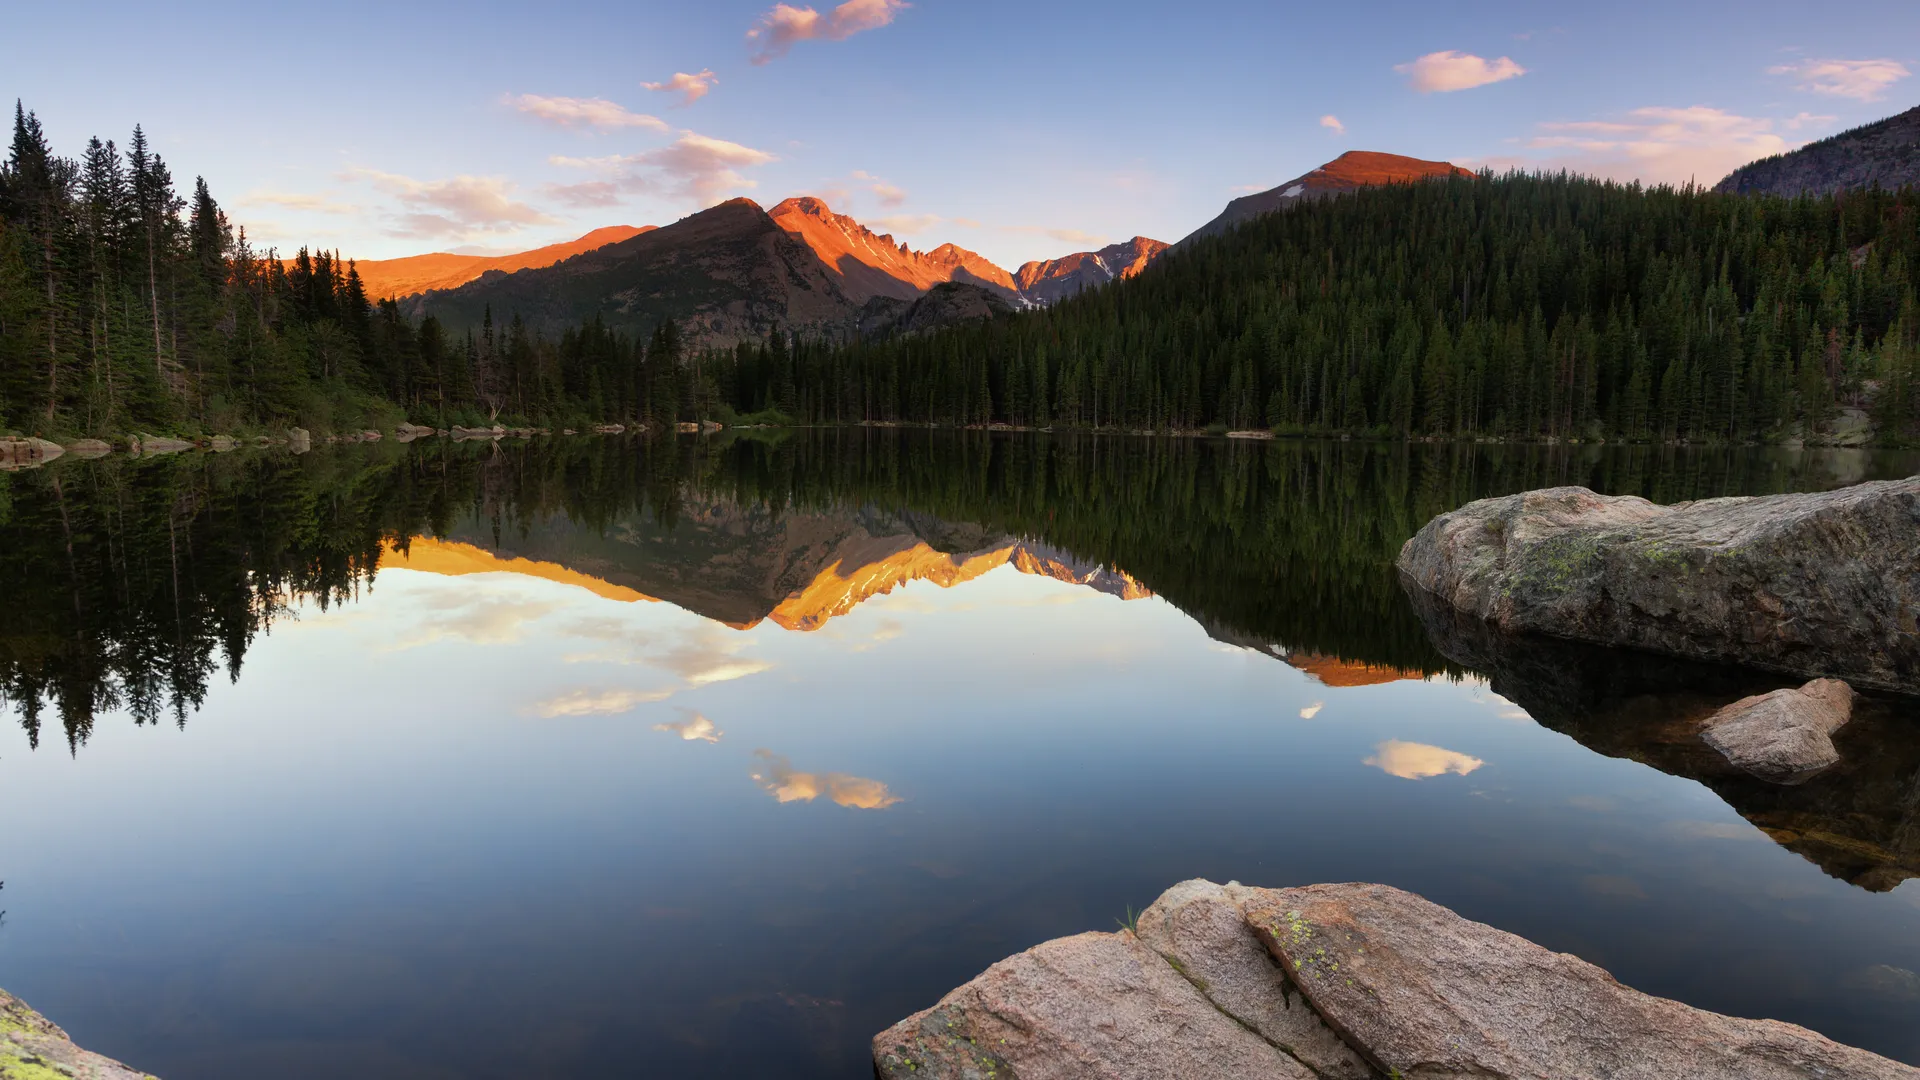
(1020, 130)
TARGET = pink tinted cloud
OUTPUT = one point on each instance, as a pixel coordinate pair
(1861, 80)
(1445, 72)
(691, 88)
(780, 28)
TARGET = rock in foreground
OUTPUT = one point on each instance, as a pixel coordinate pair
(1785, 737)
(1335, 981)
(1814, 585)
(33, 1048)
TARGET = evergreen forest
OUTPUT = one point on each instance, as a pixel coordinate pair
(1515, 307)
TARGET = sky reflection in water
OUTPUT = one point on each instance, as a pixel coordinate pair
(501, 816)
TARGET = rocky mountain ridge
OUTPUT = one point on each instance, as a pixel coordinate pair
(1884, 153)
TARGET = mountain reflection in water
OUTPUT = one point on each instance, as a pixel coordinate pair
(1241, 688)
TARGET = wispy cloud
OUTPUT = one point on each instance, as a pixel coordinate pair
(785, 25)
(573, 112)
(694, 167)
(691, 88)
(1445, 72)
(695, 728)
(596, 702)
(457, 206)
(908, 224)
(889, 195)
(787, 784)
(1661, 144)
(1418, 761)
(1065, 236)
(1332, 123)
(313, 204)
(1861, 80)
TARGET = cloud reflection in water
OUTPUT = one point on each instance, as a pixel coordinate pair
(787, 784)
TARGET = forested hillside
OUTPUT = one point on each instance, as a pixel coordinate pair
(127, 307)
(1522, 306)
(1516, 307)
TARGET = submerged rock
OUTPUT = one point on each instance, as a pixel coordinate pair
(18, 453)
(1785, 737)
(1824, 584)
(299, 440)
(159, 444)
(1364, 981)
(32, 1047)
(1857, 821)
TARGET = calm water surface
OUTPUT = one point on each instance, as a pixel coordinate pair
(595, 758)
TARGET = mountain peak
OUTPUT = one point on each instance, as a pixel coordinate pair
(1350, 171)
(1052, 280)
(869, 264)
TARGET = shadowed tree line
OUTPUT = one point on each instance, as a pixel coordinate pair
(1528, 307)
(133, 583)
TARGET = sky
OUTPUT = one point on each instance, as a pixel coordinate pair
(1021, 130)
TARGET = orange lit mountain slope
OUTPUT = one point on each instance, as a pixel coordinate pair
(870, 264)
(413, 274)
(1350, 171)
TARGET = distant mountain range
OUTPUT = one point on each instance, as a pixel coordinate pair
(1886, 153)
(735, 271)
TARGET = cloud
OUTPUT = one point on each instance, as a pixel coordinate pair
(1445, 72)
(482, 620)
(700, 658)
(840, 191)
(315, 204)
(1660, 144)
(1332, 123)
(787, 784)
(1312, 710)
(907, 224)
(592, 702)
(691, 88)
(695, 728)
(781, 27)
(693, 167)
(1065, 236)
(585, 112)
(1862, 80)
(1417, 761)
(458, 206)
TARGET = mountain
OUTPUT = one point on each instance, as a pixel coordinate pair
(1886, 153)
(413, 274)
(1350, 171)
(947, 304)
(741, 564)
(726, 274)
(868, 264)
(1056, 279)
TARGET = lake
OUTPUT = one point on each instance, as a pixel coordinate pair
(600, 757)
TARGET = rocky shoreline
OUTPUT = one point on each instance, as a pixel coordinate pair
(1330, 982)
(34, 1048)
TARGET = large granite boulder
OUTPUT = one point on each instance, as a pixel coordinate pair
(1813, 585)
(34, 1048)
(1785, 737)
(1352, 981)
(1091, 1006)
